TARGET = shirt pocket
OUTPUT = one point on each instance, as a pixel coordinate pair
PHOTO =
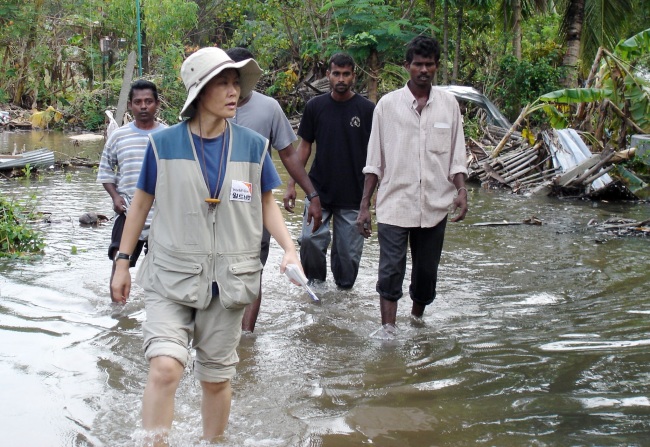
(239, 282)
(438, 138)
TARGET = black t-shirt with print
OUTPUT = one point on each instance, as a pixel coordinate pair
(341, 131)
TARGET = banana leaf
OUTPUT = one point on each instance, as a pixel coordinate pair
(557, 119)
(634, 47)
(44, 118)
(576, 95)
(638, 97)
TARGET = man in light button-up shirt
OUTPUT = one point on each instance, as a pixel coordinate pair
(416, 154)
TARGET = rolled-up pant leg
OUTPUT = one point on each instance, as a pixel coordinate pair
(347, 247)
(393, 245)
(426, 250)
(313, 246)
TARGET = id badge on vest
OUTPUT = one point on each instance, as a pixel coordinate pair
(241, 191)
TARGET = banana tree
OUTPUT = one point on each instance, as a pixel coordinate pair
(616, 94)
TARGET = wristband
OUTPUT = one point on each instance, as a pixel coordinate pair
(123, 256)
(312, 195)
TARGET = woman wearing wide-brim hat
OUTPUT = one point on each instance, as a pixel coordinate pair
(212, 182)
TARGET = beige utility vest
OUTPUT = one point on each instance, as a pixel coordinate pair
(190, 245)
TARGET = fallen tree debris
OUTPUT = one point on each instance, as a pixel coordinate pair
(622, 226)
(532, 220)
(599, 144)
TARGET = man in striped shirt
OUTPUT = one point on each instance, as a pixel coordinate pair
(119, 168)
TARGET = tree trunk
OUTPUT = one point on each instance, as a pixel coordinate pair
(459, 32)
(145, 49)
(373, 65)
(432, 9)
(575, 17)
(445, 43)
(23, 70)
(516, 28)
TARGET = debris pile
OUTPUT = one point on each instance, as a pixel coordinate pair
(559, 163)
(622, 227)
(14, 118)
(600, 148)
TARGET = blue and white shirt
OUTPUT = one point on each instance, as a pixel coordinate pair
(122, 158)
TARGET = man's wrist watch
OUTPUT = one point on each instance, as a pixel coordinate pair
(123, 256)
(312, 195)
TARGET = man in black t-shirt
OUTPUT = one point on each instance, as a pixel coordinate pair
(339, 124)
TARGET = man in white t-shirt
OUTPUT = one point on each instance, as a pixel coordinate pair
(119, 167)
(264, 115)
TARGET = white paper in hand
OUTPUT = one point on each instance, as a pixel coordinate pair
(294, 273)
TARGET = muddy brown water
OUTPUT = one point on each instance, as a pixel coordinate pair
(540, 336)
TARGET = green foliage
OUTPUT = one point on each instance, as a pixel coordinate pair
(392, 77)
(88, 109)
(170, 86)
(165, 22)
(619, 83)
(556, 118)
(27, 170)
(603, 24)
(634, 47)
(51, 50)
(17, 238)
(640, 165)
(168, 21)
(285, 82)
(361, 26)
(575, 95)
(523, 81)
(540, 39)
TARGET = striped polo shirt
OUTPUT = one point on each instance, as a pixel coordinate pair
(122, 157)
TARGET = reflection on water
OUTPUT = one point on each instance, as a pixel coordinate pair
(539, 337)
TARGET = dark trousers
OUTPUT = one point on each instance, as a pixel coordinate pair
(347, 246)
(426, 249)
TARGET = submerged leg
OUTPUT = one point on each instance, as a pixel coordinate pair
(215, 408)
(388, 311)
(158, 402)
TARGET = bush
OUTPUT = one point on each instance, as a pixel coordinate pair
(86, 110)
(524, 81)
(171, 90)
(17, 238)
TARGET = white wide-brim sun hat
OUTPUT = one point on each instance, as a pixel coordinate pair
(200, 67)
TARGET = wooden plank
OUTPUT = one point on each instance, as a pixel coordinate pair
(589, 172)
(490, 172)
(126, 86)
(578, 169)
(495, 224)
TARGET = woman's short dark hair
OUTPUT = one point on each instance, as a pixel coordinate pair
(142, 84)
(423, 46)
(239, 54)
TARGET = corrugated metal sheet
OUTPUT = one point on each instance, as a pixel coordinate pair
(39, 158)
(472, 95)
(568, 150)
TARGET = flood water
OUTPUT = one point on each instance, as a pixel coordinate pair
(540, 336)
